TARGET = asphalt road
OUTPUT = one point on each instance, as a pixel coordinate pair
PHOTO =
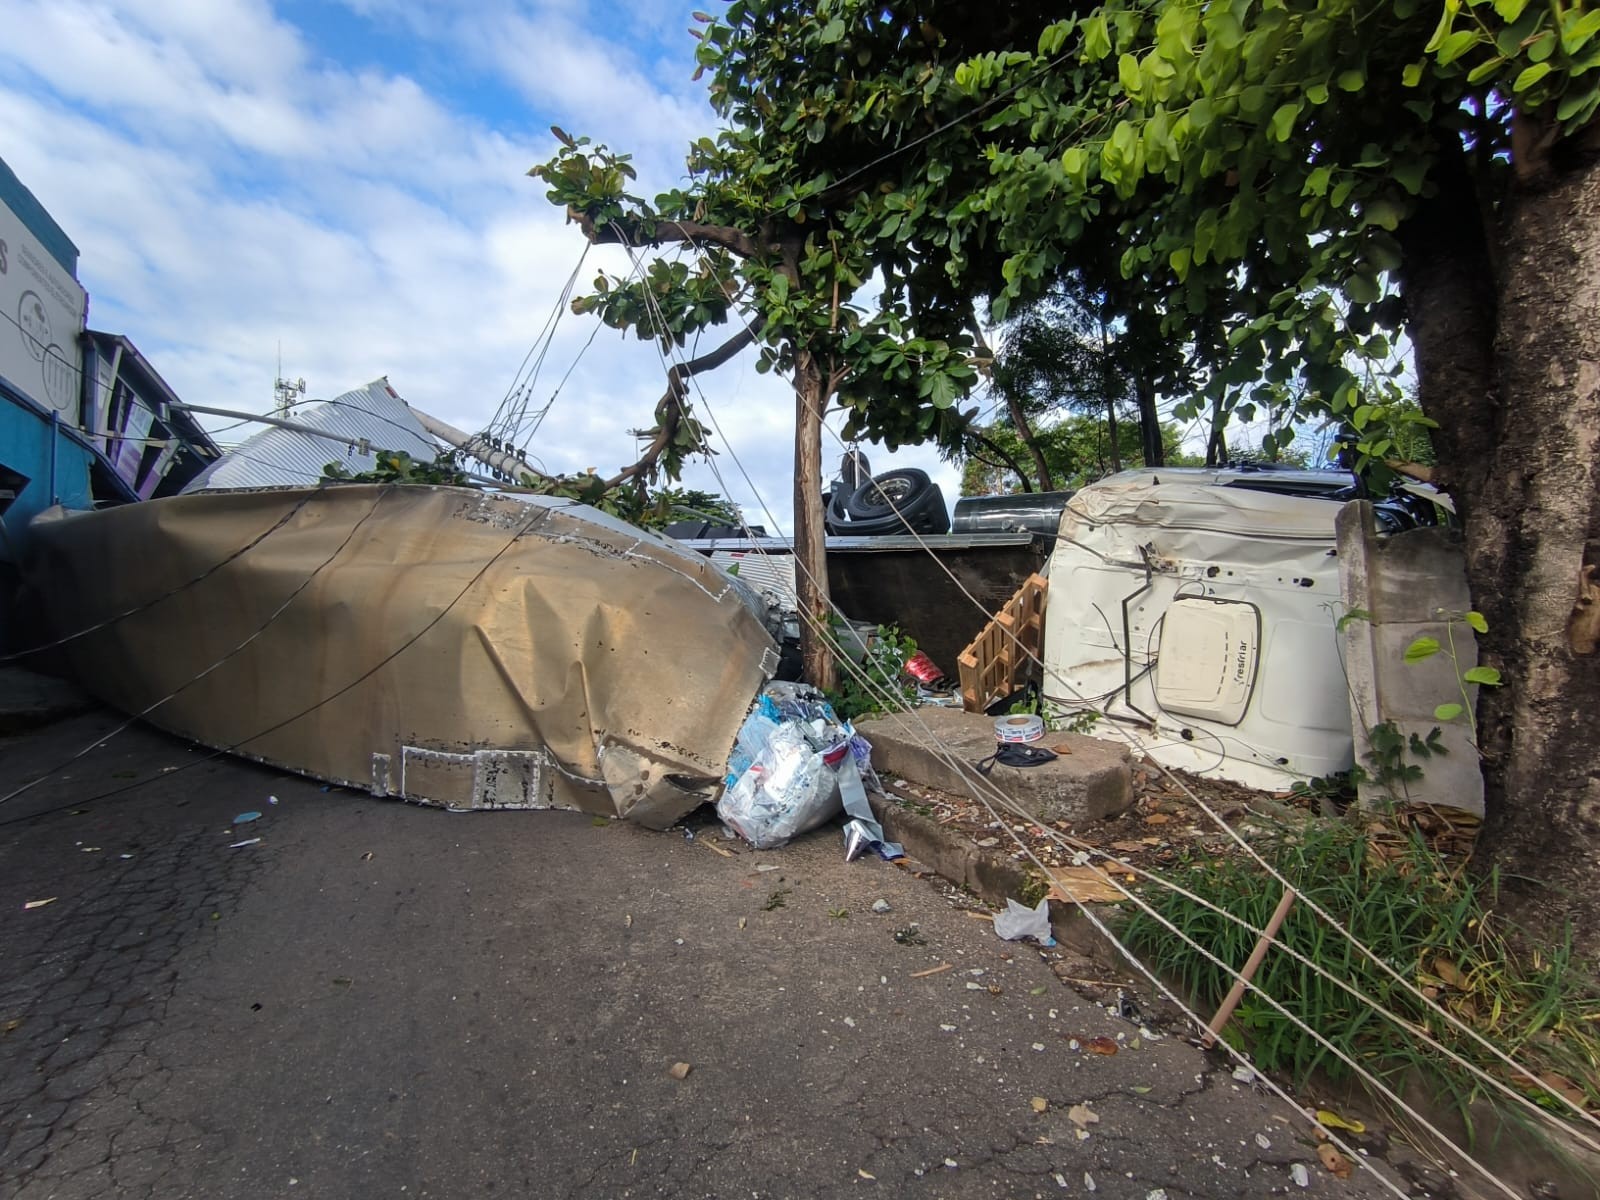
(378, 999)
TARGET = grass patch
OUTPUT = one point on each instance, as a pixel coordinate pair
(1431, 922)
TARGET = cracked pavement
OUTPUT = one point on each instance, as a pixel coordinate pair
(382, 999)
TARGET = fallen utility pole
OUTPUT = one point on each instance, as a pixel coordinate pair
(501, 460)
(360, 445)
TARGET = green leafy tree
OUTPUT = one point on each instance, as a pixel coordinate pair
(1312, 177)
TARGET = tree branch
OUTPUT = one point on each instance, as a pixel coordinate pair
(648, 232)
(669, 410)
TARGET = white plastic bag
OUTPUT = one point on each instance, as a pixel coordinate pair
(1018, 922)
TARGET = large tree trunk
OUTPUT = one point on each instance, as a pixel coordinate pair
(1536, 540)
(810, 546)
(1150, 446)
(1514, 381)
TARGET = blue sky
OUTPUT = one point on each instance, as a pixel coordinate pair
(348, 180)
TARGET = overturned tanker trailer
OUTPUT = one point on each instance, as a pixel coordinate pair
(456, 647)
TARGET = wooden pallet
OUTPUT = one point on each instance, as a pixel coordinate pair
(999, 659)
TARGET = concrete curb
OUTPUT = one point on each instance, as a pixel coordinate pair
(992, 876)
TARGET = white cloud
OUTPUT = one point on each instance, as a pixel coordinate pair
(232, 187)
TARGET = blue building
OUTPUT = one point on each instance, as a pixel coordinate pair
(85, 420)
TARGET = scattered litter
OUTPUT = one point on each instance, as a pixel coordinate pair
(245, 818)
(865, 1174)
(940, 969)
(1333, 1120)
(709, 845)
(1061, 1180)
(768, 867)
(1039, 1104)
(743, 921)
(1244, 1074)
(1083, 1116)
(1019, 921)
(1088, 1182)
(124, 856)
(974, 986)
(1337, 1163)
(246, 842)
(881, 906)
(1127, 1008)
(1038, 1046)
(1300, 1175)
(850, 1021)
(951, 1163)
(796, 765)
(367, 857)
(1100, 1045)
(688, 834)
(1263, 1141)
(274, 799)
(1156, 1194)
(91, 849)
(39, 903)
(948, 1028)
(680, 1070)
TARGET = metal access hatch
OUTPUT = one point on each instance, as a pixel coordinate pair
(1207, 665)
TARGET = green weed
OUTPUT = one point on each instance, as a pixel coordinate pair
(1433, 924)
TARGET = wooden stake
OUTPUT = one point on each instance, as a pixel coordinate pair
(1236, 993)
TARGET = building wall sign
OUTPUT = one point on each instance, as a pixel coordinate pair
(42, 311)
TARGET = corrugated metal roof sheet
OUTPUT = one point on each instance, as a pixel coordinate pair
(276, 457)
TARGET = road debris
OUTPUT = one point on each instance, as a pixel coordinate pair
(1300, 1175)
(1039, 1104)
(1337, 1163)
(881, 906)
(245, 818)
(1019, 921)
(679, 1070)
(32, 904)
(939, 970)
(1083, 1116)
(247, 842)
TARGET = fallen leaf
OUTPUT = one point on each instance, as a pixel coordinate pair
(1334, 1121)
(1038, 991)
(1039, 1104)
(1565, 1088)
(1157, 819)
(680, 1070)
(1128, 847)
(1450, 973)
(1334, 1161)
(1100, 1045)
(1140, 1089)
(1082, 1115)
(39, 903)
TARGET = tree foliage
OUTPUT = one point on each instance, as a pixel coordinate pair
(1076, 448)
